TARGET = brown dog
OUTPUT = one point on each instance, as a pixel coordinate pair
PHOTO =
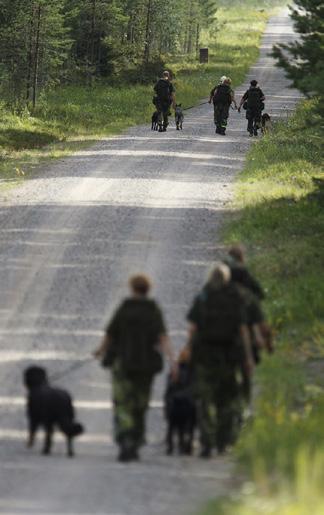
(266, 124)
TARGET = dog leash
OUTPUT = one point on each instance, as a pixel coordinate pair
(191, 107)
(72, 368)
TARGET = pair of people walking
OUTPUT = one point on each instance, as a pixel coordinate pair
(219, 346)
(222, 96)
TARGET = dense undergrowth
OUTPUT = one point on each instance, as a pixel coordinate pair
(281, 219)
(68, 117)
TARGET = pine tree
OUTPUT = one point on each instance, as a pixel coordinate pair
(43, 43)
(303, 59)
(33, 47)
(97, 28)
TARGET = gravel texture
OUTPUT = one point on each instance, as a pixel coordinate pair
(70, 237)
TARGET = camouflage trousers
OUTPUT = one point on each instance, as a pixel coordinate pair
(219, 405)
(131, 395)
(221, 114)
(163, 109)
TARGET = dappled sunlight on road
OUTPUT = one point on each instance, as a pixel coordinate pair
(155, 154)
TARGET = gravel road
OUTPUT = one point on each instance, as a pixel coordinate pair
(70, 237)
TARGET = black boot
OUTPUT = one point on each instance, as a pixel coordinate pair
(125, 456)
(218, 130)
(128, 453)
(205, 452)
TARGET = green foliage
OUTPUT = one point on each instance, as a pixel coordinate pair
(33, 47)
(303, 59)
(303, 497)
(46, 43)
(281, 219)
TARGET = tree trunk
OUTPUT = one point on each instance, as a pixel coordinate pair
(91, 43)
(92, 33)
(197, 39)
(30, 52)
(189, 46)
(36, 52)
(147, 43)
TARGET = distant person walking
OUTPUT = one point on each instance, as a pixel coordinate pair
(220, 347)
(253, 102)
(240, 273)
(165, 97)
(260, 332)
(133, 345)
(222, 97)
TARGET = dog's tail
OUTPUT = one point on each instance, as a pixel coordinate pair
(72, 428)
(77, 429)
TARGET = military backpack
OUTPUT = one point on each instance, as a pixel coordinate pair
(222, 95)
(162, 89)
(254, 101)
(134, 333)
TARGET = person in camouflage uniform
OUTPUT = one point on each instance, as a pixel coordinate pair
(165, 97)
(220, 348)
(132, 347)
(222, 97)
(260, 332)
(240, 273)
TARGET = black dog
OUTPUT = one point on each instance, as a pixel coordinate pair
(155, 120)
(48, 407)
(180, 411)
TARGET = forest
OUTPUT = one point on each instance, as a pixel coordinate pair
(43, 43)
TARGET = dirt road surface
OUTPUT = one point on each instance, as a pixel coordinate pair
(70, 237)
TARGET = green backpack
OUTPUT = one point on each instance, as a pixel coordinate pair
(135, 337)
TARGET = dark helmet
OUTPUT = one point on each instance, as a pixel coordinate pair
(254, 83)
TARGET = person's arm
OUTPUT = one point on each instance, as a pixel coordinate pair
(245, 96)
(100, 352)
(172, 95)
(233, 101)
(258, 336)
(211, 95)
(192, 329)
(267, 335)
(166, 348)
(248, 355)
(252, 284)
(173, 99)
(110, 334)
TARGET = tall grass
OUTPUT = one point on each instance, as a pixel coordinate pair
(303, 496)
(280, 217)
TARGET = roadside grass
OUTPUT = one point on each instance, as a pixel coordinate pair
(71, 117)
(280, 218)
